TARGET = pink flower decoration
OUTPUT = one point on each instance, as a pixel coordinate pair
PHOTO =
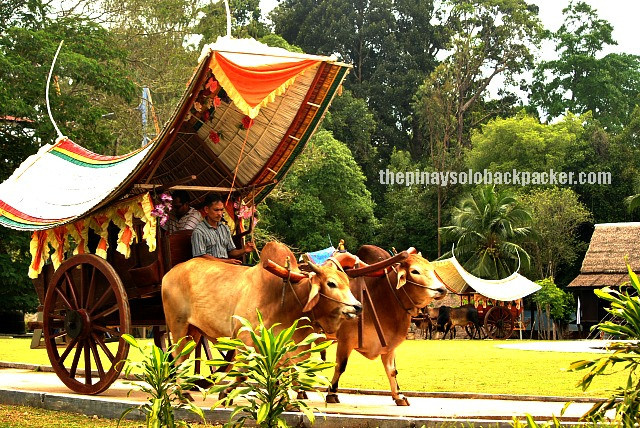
(247, 122)
(214, 137)
(212, 84)
(216, 102)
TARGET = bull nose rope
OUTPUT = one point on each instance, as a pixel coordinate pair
(395, 293)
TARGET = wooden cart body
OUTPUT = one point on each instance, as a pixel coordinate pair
(498, 317)
(220, 138)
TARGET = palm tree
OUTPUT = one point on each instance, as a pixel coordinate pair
(487, 229)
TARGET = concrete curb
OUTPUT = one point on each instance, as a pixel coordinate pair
(113, 409)
(464, 395)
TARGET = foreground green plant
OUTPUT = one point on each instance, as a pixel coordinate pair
(270, 371)
(164, 382)
(625, 400)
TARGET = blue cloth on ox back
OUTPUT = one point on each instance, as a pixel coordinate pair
(321, 256)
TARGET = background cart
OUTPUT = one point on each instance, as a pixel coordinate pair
(499, 302)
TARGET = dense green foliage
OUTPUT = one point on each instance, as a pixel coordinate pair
(324, 199)
(580, 81)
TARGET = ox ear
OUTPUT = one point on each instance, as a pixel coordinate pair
(402, 277)
(314, 296)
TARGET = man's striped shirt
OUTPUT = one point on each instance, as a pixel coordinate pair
(215, 241)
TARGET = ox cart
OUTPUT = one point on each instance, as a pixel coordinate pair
(498, 302)
(499, 318)
(95, 217)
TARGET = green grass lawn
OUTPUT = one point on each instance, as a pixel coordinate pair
(436, 365)
(29, 417)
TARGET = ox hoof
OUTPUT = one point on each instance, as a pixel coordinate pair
(201, 383)
(332, 399)
(401, 401)
(302, 395)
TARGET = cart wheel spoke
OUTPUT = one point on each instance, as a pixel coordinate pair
(92, 287)
(104, 348)
(107, 330)
(63, 298)
(72, 290)
(67, 351)
(97, 360)
(87, 363)
(100, 301)
(76, 359)
(105, 313)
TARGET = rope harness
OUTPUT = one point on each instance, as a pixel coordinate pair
(287, 281)
(394, 291)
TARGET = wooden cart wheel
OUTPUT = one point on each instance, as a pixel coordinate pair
(498, 323)
(85, 308)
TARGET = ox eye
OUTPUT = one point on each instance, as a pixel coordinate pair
(415, 272)
(332, 284)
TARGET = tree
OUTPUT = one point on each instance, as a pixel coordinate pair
(487, 229)
(557, 304)
(323, 197)
(556, 215)
(577, 144)
(579, 81)
(435, 106)
(523, 143)
(391, 44)
(490, 38)
(407, 216)
(351, 121)
(155, 34)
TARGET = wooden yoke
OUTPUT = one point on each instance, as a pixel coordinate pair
(365, 297)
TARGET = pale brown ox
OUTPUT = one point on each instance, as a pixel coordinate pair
(396, 296)
(201, 296)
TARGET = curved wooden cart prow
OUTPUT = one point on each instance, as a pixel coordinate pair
(499, 302)
(234, 132)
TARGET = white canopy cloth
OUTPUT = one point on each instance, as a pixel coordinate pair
(458, 280)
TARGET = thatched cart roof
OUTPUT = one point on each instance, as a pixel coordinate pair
(247, 112)
(604, 264)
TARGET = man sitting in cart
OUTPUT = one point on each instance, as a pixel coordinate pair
(182, 215)
(211, 238)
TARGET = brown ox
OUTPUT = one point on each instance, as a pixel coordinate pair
(396, 296)
(201, 296)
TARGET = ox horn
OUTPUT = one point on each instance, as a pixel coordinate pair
(283, 272)
(314, 267)
(346, 260)
(412, 250)
(377, 269)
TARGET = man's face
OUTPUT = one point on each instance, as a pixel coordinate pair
(214, 212)
(179, 207)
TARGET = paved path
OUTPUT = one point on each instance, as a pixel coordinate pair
(39, 388)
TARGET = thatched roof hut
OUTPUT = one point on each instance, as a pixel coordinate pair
(604, 264)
